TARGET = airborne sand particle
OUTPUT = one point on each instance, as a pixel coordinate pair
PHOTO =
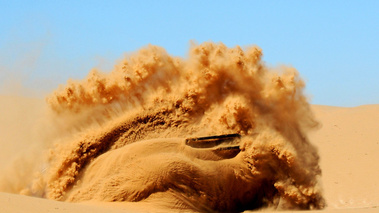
(217, 90)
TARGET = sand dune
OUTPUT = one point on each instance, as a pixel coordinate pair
(349, 148)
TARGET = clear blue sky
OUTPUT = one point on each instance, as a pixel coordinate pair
(333, 44)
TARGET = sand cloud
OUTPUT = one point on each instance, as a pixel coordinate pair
(124, 133)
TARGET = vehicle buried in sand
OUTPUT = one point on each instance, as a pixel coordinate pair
(225, 146)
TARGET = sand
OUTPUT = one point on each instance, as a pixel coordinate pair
(348, 144)
(349, 148)
(117, 140)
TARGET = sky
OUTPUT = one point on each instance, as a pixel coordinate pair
(333, 44)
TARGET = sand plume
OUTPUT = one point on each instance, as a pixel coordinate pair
(131, 124)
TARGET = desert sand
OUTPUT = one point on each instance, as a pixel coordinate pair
(348, 143)
(115, 141)
(347, 140)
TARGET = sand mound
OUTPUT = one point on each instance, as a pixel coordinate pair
(112, 122)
